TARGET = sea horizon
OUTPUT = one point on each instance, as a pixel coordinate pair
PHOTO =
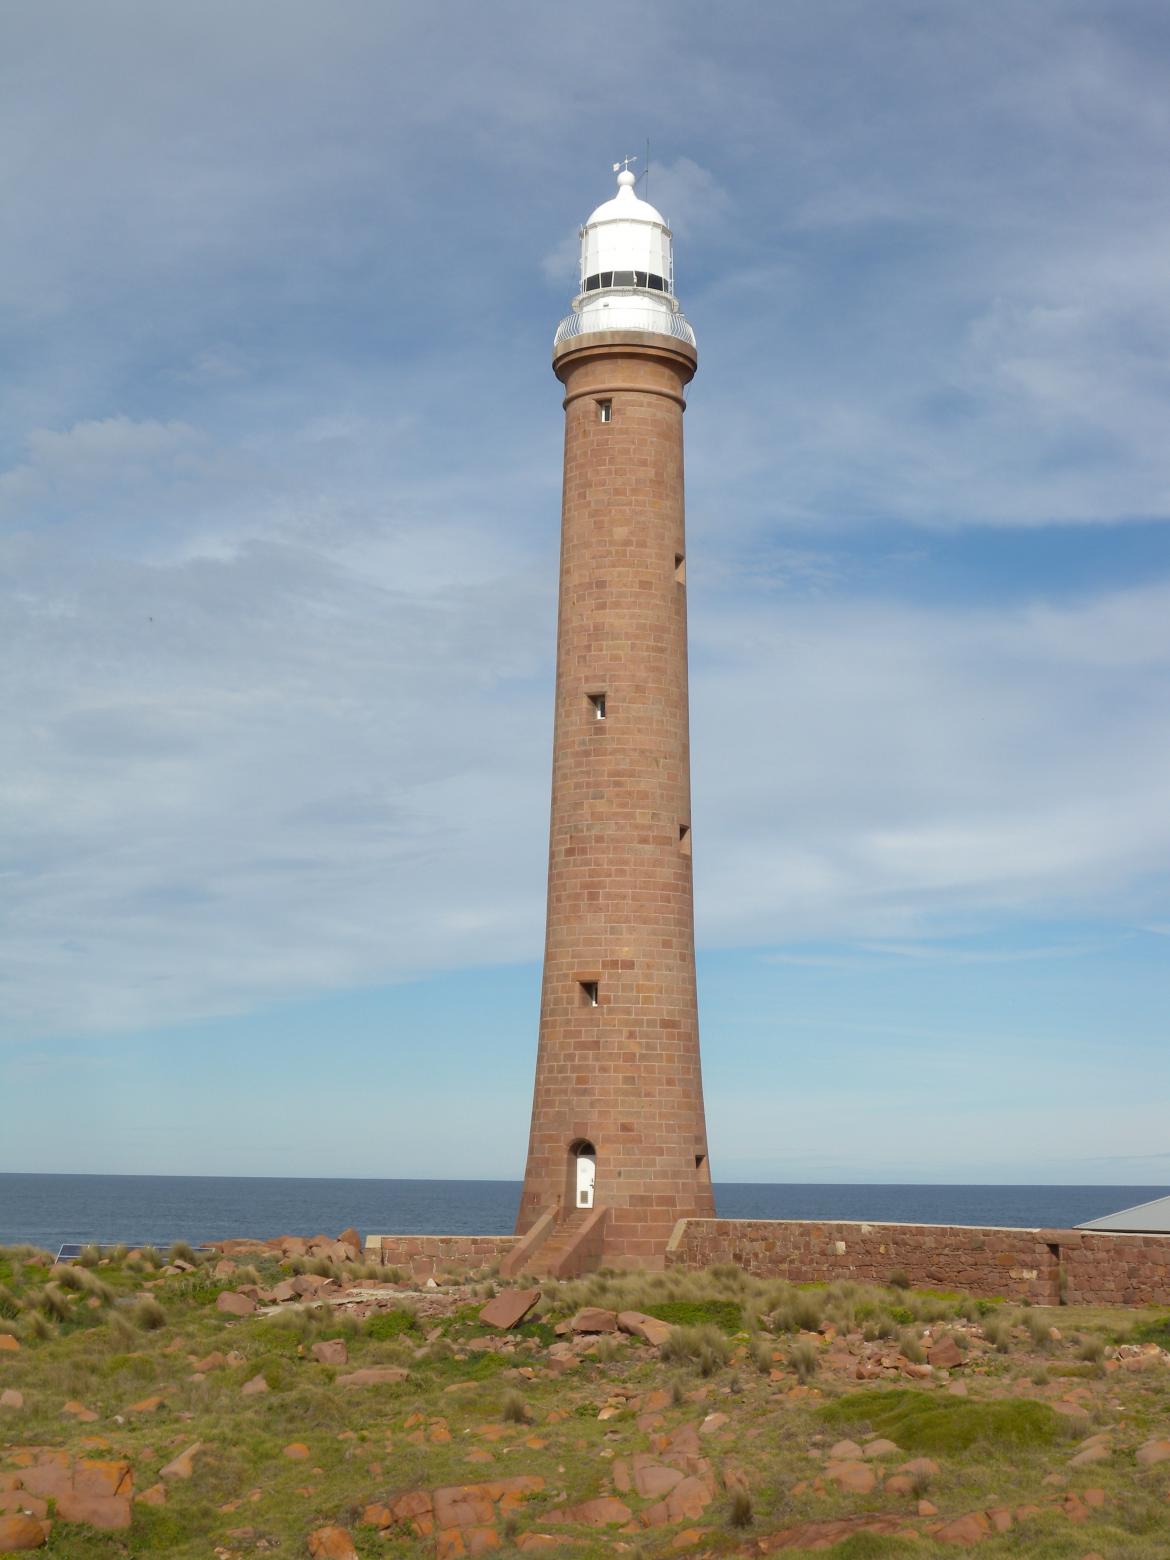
(50, 1208)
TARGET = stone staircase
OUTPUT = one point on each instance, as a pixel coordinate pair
(560, 1247)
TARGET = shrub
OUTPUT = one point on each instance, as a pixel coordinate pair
(181, 1251)
(89, 1256)
(1092, 1349)
(514, 1410)
(910, 1345)
(762, 1358)
(706, 1346)
(740, 1511)
(804, 1359)
(149, 1315)
(10, 1306)
(899, 1279)
(998, 1334)
(52, 1303)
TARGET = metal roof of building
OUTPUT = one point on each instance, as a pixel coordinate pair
(1151, 1218)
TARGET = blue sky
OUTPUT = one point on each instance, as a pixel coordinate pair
(279, 491)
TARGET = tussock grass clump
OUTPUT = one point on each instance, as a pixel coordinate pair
(936, 1424)
(899, 1279)
(149, 1315)
(89, 1256)
(762, 1358)
(705, 1347)
(998, 1334)
(804, 1359)
(1039, 1328)
(1092, 1349)
(739, 1512)
(514, 1410)
(182, 1251)
(910, 1345)
(11, 1305)
(51, 1302)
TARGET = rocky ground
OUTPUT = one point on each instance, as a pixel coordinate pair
(284, 1398)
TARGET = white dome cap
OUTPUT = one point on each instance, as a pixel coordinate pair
(627, 270)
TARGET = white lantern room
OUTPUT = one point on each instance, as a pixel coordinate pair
(627, 271)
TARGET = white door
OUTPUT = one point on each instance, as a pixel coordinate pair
(586, 1176)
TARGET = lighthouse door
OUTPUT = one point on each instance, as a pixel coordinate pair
(586, 1176)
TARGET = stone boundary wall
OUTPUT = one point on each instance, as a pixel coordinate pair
(427, 1256)
(1049, 1267)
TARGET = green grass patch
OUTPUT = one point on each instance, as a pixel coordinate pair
(926, 1422)
(1156, 1330)
(727, 1315)
(391, 1324)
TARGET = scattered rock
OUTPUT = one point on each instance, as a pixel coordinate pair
(332, 1543)
(1153, 1452)
(602, 1512)
(331, 1351)
(256, 1385)
(373, 1376)
(78, 1411)
(182, 1466)
(156, 1495)
(9, 1344)
(297, 1451)
(945, 1354)
(964, 1531)
(509, 1308)
(857, 1478)
(650, 1330)
(11, 1398)
(18, 1533)
(845, 1451)
(233, 1304)
(881, 1448)
(592, 1319)
(1097, 1452)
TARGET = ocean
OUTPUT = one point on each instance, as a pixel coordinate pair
(49, 1210)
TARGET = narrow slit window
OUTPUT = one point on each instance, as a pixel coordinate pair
(597, 700)
(700, 1161)
(680, 568)
(684, 838)
(589, 992)
(605, 411)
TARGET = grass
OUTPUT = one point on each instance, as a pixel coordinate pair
(942, 1426)
(542, 1413)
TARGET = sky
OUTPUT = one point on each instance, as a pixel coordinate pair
(279, 500)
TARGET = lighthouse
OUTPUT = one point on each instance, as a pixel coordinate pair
(618, 1145)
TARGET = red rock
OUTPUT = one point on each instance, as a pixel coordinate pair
(899, 1484)
(449, 1544)
(592, 1319)
(480, 1539)
(213, 1361)
(148, 1405)
(880, 1448)
(845, 1451)
(11, 1398)
(232, 1304)
(297, 1451)
(856, 1478)
(945, 1354)
(651, 1331)
(156, 1495)
(509, 1308)
(285, 1290)
(654, 1480)
(1093, 1497)
(1153, 1452)
(602, 1512)
(182, 1466)
(964, 1531)
(713, 1422)
(331, 1351)
(352, 1240)
(1000, 1518)
(463, 1505)
(78, 1411)
(9, 1344)
(331, 1543)
(926, 1466)
(689, 1499)
(19, 1532)
(256, 1385)
(538, 1541)
(927, 1508)
(372, 1376)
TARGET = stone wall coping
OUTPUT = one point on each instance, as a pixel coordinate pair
(1040, 1232)
(429, 1236)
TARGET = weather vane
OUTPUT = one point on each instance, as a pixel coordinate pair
(624, 165)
